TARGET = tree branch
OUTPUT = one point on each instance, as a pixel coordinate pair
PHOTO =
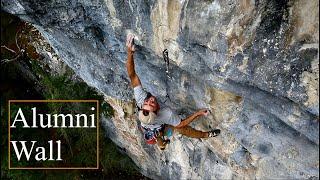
(8, 49)
(10, 60)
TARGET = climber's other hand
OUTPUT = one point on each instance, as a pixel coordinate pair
(203, 112)
(129, 43)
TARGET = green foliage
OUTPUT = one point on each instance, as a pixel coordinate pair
(113, 163)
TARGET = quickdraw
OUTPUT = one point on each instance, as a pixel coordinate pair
(166, 59)
(165, 54)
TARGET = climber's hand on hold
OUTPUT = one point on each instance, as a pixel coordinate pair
(203, 112)
(130, 43)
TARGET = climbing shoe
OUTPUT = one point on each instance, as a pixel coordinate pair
(214, 133)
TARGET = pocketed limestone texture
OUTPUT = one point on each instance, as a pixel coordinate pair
(254, 64)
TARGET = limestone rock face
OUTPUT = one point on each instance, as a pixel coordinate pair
(254, 64)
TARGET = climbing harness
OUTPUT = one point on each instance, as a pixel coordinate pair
(162, 133)
(150, 135)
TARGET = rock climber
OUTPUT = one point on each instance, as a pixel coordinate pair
(158, 120)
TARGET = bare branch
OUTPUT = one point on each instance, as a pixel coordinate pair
(17, 40)
(11, 50)
(3, 61)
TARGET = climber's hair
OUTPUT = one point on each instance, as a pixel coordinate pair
(146, 112)
(148, 96)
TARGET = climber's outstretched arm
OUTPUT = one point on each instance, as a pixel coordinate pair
(188, 120)
(135, 81)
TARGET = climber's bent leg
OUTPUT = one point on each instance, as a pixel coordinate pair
(190, 132)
